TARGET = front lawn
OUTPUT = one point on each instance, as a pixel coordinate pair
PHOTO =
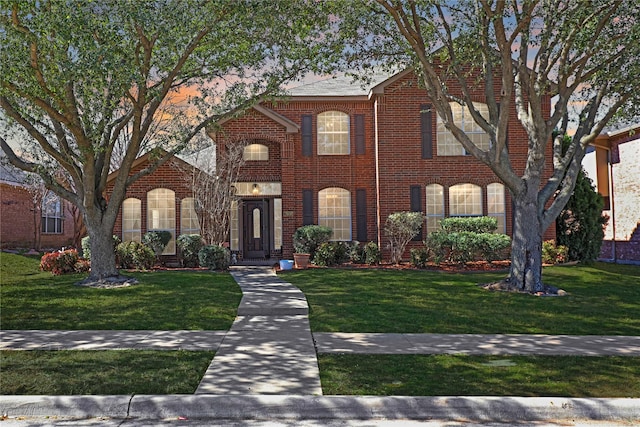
(162, 300)
(604, 299)
(102, 372)
(425, 375)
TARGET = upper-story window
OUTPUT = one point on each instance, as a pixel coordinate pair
(51, 214)
(256, 152)
(448, 145)
(333, 133)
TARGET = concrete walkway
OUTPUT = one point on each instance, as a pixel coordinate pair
(269, 348)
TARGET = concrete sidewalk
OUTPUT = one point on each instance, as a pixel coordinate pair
(327, 342)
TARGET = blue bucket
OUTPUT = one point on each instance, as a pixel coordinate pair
(286, 264)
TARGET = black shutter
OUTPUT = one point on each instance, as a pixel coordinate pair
(361, 215)
(307, 207)
(426, 123)
(307, 135)
(359, 121)
(416, 205)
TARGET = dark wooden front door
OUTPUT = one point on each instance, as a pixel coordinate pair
(256, 228)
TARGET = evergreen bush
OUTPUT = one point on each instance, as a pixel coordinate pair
(307, 238)
(400, 228)
(157, 241)
(214, 257)
(61, 262)
(86, 245)
(135, 255)
(188, 247)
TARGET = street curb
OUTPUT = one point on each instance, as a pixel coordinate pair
(288, 407)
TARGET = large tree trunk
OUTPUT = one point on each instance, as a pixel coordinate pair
(526, 247)
(103, 258)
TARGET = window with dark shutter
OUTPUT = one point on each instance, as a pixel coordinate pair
(307, 135)
(361, 215)
(307, 207)
(426, 131)
(416, 206)
(359, 122)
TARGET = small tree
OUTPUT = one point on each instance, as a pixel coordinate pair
(400, 228)
(212, 181)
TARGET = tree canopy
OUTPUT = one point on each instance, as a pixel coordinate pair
(523, 53)
(89, 86)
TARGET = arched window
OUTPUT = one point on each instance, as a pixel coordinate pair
(161, 215)
(131, 222)
(465, 200)
(334, 211)
(447, 144)
(188, 218)
(435, 206)
(333, 133)
(256, 152)
(51, 214)
(496, 206)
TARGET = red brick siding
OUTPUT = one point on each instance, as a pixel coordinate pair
(17, 226)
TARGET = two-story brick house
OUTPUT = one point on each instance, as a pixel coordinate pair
(344, 155)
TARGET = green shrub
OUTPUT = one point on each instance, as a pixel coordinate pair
(86, 245)
(331, 253)
(61, 262)
(419, 257)
(480, 224)
(135, 255)
(188, 247)
(494, 247)
(214, 257)
(356, 252)
(308, 238)
(157, 241)
(465, 246)
(400, 228)
(372, 255)
(438, 246)
(552, 254)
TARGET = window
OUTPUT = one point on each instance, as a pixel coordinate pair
(447, 144)
(277, 223)
(495, 205)
(131, 231)
(234, 233)
(51, 214)
(333, 133)
(465, 200)
(256, 152)
(188, 218)
(161, 215)
(334, 211)
(435, 206)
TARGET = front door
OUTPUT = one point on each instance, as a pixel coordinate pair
(256, 228)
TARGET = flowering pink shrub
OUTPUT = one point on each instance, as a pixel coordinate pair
(62, 262)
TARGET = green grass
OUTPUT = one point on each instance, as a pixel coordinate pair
(422, 375)
(162, 300)
(604, 299)
(102, 372)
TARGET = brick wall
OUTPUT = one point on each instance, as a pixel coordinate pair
(17, 225)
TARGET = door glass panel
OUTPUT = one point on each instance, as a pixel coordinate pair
(256, 223)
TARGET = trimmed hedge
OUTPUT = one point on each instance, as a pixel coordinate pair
(214, 257)
(135, 255)
(308, 238)
(188, 247)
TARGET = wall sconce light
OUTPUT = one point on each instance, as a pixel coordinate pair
(256, 189)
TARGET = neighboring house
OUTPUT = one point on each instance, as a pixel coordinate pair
(339, 154)
(31, 217)
(612, 164)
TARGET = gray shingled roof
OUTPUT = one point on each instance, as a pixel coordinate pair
(341, 85)
(8, 172)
